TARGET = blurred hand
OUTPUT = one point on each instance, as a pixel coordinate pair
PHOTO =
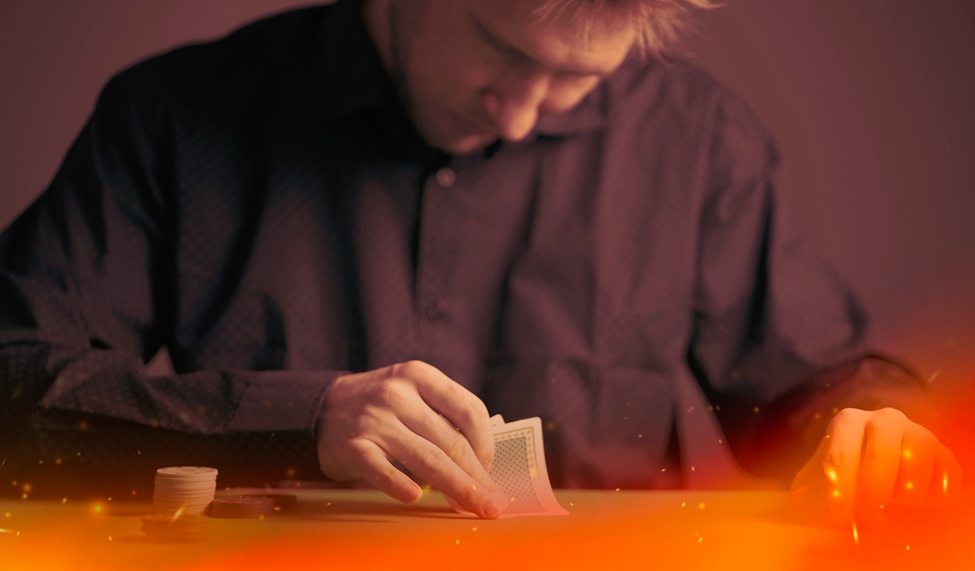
(415, 415)
(870, 460)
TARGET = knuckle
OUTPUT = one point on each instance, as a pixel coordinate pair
(457, 446)
(409, 369)
(360, 454)
(838, 457)
(470, 413)
(391, 394)
(891, 415)
(432, 460)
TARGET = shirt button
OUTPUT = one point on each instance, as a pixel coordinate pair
(446, 177)
(438, 310)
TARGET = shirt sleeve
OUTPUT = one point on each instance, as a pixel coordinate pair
(780, 342)
(87, 296)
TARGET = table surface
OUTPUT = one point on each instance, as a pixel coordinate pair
(365, 530)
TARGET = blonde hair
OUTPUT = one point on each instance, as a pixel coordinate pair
(660, 23)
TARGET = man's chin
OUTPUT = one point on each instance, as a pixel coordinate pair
(465, 145)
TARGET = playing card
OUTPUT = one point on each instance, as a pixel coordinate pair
(519, 467)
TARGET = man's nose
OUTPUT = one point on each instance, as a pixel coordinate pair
(514, 102)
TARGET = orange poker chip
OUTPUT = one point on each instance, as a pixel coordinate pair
(282, 501)
(241, 507)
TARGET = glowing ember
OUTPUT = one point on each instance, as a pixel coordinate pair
(856, 534)
(9, 531)
(832, 475)
(178, 513)
(944, 484)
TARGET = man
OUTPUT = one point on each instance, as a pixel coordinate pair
(359, 228)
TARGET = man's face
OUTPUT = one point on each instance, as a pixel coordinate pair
(474, 71)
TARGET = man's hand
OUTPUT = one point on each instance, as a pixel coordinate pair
(870, 460)
(414, 414)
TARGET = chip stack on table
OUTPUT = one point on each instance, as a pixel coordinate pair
(184, 490)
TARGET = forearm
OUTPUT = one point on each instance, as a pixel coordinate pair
(90, 419)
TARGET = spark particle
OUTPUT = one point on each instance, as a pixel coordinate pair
(700, 506)
(682, 504)
(856, 534)
(64, 500)
(832, 475)
(907, 454)
(836, 493)
(944, 484)
(909, 485)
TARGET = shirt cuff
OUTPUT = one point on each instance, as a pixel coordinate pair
(282, 400)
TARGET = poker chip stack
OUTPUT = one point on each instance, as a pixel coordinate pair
(240, 507)
(186, 490)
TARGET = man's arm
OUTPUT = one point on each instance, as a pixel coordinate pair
(90, 293)
(87, 289)
(780, 344)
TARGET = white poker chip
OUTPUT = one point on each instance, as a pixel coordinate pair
(188, 489)
(187, 471)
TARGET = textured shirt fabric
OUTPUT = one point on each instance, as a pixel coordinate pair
(261, 207)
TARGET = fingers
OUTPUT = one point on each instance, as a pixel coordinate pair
(841, 462)
(946, 477)
(432, 464)
(410, 414)
(457, 404)
(916, 466)
(883, 439)
(435, 429)
(376, 468)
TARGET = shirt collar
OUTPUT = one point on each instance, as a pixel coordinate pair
(351, 74)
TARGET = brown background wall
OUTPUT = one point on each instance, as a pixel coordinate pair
(871, 101)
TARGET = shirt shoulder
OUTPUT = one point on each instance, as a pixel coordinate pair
(221, 75)
(683, 90)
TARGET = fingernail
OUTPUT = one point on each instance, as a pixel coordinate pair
(495, 505)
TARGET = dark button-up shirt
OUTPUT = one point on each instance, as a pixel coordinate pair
(262, 207)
